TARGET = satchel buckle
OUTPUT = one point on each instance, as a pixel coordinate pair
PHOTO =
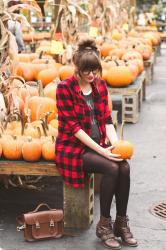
(37, 225)
(52, 223)
(19, 228)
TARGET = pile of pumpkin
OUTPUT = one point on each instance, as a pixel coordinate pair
(122, 55)
(123, 59)
(34, 67)
(30, 129)
(31, 141)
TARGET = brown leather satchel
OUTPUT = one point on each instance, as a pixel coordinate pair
(39, 225)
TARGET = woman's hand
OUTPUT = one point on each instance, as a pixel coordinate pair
(106, 152)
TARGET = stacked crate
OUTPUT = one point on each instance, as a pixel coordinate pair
(132, 97)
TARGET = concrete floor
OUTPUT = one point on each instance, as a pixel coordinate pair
(148, 181)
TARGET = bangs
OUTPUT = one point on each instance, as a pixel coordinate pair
(89, 61)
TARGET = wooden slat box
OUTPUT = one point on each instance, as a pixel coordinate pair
(148, 65)
(78, 202)
(132, 97)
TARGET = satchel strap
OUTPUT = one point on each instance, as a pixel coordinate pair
(41, 205)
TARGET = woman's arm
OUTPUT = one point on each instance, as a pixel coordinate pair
(111, 133)
(105, 152)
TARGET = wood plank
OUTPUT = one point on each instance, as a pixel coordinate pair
(28, 168)
(150, 61)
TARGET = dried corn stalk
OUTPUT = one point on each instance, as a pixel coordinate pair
(8, 46)
(109, 14)
(69, 16)
(104, 13)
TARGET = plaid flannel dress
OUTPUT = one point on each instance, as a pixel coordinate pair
(73, 115)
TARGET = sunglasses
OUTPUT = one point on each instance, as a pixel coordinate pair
(87, 72)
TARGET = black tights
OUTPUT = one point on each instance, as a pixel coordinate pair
(115, 181)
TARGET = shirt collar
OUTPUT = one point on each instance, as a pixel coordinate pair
(77, 88)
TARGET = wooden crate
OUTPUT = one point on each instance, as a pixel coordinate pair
(117, 105)
(163, 36)
(78, 202)
(132, 97)
(148, 65)
(158, 48)
(115, 118)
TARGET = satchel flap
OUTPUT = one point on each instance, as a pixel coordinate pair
(43, 216)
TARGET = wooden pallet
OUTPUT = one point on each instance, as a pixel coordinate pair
(148, 65)
(78, 202)
(132, 97)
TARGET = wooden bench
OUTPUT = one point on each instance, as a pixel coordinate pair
(78, 203)
(132, 97)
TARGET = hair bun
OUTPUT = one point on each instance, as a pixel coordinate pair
(87, 44)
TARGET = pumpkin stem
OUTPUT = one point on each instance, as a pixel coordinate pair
(20, 78)
(40, 88)
(44, 127)
(38, 130)
(38, 112)
(41, 54)
(21, 120)
(2, 129)
(121, 130)
(46, 118)
(53, 139)
(117, 64)
(27, 115)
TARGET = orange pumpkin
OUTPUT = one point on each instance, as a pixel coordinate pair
(0, 150)
(106, 48)
(119, 76)
(122, 147)
(26, 71)
(48, 151)
(39, 106)
(12, 149)
(66, 71)
(48, 75)
(50, 90)
(31, 150)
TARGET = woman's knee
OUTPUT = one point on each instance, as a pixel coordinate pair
(124, 168)
(112, 168)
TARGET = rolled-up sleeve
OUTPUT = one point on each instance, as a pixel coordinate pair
(65, 107)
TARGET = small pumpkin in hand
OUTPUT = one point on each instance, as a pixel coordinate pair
(122, 147)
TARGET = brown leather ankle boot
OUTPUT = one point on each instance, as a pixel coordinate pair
(121, 229)
(105, 232)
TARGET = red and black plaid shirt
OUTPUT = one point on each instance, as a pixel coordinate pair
(73, 115)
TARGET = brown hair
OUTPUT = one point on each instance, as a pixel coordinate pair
(87, 56)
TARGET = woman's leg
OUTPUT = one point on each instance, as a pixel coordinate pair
(94, 163)
(122, 188)
(121, 225)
